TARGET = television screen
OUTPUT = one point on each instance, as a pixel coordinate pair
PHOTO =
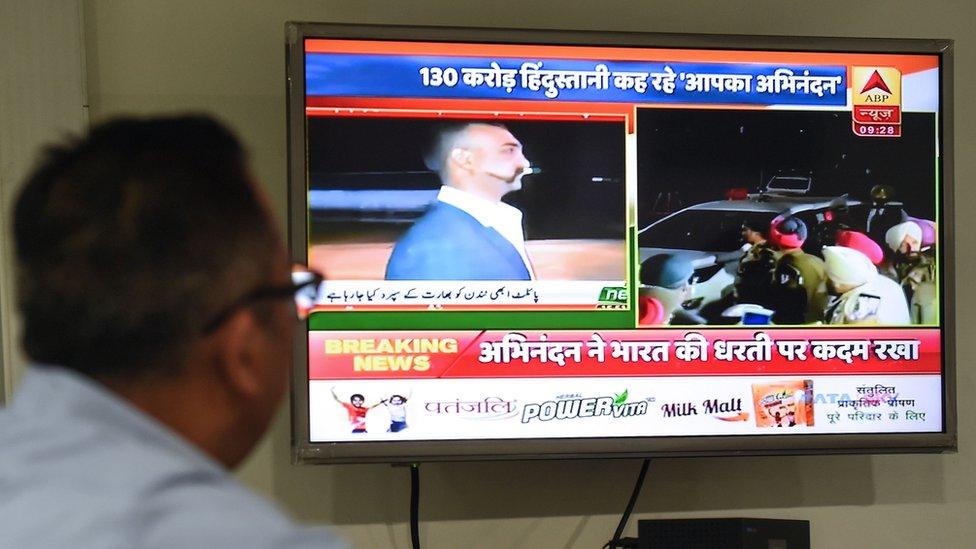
(561, 244)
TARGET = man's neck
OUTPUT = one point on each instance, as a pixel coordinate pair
(185, 408)
(475, 190)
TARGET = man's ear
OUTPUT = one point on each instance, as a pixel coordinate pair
(237, 354)
(461, 157)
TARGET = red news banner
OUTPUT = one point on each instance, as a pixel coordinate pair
(473, 354)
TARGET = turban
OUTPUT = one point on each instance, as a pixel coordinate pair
(928, 230)
(787, 232)
(896, 235)
(651, 312)
(848, 266)
(862, 243)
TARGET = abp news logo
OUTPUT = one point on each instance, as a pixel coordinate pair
(613, 297)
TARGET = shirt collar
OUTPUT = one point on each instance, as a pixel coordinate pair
(488, 213)
(59, 393)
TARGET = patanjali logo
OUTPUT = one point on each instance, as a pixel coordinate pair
(487, 408)
(574, 408)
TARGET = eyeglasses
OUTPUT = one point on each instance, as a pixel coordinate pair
(304, 289)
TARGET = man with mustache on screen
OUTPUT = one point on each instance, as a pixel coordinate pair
(468, 233)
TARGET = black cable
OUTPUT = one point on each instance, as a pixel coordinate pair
(615, 541)
(415, 505)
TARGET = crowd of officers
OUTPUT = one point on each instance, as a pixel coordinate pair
(885, 275)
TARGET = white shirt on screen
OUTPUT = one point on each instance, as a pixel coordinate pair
(505, 219)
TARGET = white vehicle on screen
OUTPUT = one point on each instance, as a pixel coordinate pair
(710, 233)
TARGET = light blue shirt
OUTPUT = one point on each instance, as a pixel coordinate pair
(81, 468)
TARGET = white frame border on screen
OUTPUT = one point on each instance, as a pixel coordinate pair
(304, 451)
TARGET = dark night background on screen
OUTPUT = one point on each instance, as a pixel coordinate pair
(698, 154)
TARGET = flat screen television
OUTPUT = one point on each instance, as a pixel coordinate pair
(542, 244)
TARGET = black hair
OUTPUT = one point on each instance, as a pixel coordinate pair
(129, 240)
(445, 138)
(756, 226)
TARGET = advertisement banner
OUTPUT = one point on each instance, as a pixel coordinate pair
(447, 409)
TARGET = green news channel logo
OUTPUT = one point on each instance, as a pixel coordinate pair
(613, 297)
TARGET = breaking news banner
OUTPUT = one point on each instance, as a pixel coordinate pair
(474, 354)
(624, 406)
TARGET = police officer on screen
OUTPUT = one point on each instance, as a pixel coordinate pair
(797, 276)
(754, 274)
(858, 294)
(914, 269)
(884, 214)
(669, 279)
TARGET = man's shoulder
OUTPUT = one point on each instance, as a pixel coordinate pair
(80, 446)
(804, 260)
(192, 512)
(441, 213)
(883, 287)
(88, 476)
(443, 227)
(123, 494)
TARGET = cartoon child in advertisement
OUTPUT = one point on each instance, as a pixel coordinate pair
(396, 406)
(356, 410)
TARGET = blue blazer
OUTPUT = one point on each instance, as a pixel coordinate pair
(447, 243)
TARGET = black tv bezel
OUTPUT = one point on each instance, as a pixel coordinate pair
(307, 452)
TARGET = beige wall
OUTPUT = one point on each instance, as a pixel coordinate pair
(226, 57)
(42, 97)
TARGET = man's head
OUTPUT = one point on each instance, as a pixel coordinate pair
(671, 276)
(881, 194)
(846, 269)
(753, 232)
(479, 158)
(904, 238)
(357, 400)
(129, 244)
(787, 232)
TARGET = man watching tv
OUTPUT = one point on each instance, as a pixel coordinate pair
(468, 233)
(157, 304)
